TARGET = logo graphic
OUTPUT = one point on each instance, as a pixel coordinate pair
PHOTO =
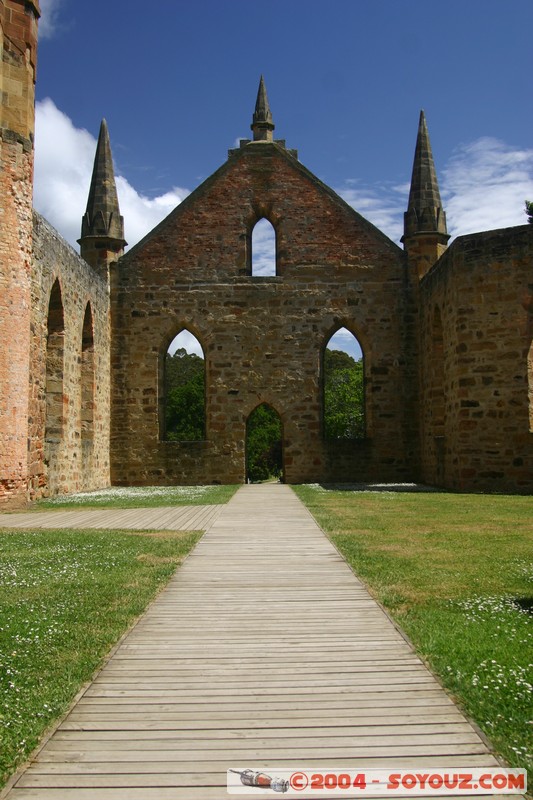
(261, 781)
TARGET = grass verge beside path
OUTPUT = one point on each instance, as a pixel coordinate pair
(456, 572)
(66, 597)
(141, 497)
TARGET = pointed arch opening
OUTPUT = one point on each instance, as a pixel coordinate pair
(263, 246)
(530, 385)
(344, 387)
(264, 445)
(54, 391)
(183, 407)
(437, 397)
(87, 378)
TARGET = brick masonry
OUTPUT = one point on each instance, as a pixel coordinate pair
(263, 338)
(18, 42)
(76, 462)
(483, 290)
(446, 334)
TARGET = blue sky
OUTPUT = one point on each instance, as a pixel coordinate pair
(346, 80)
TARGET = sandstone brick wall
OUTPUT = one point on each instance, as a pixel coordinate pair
(18, 41)
(482, 289)
(77, 458)
(263, 338)
(448, 359)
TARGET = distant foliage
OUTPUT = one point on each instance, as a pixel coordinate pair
(344, 408)
(184, 397)
(185, 409)
(529, 211)
(263, 444)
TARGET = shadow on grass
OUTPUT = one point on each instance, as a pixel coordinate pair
(524, 604)
(379, 487)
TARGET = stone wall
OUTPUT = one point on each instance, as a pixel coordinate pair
(69, 450)
(448, 359)
(18, 43)
(475, 410)
(263, 338)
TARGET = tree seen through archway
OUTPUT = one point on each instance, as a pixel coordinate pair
(264, 449)
(184, 389)
(344, 391)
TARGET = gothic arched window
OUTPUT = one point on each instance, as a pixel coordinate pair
(183, 396)
(343, 387)
(263, 249)
(87, 377)
(55, 351)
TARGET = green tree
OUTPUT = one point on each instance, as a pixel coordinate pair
(344, 407)
(263, 444)
(184, 397)
(529, 211)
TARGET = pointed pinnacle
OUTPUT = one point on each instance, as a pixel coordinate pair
(102, 217)
(424, 185)
(424, 211)
(262, 123)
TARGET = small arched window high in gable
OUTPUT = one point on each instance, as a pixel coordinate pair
(263, 256)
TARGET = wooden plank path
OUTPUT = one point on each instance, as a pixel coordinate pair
(169, 518)
(263, 652)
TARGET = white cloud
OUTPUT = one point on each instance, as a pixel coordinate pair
(383, 205)
(347, 342)
(48, 23)
(63, 163)
(483, 186)
(141, 213)
(64, 157)
(188, 342)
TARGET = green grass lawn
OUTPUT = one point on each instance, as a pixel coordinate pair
(65, 598)
(456, 572)
(140, 497)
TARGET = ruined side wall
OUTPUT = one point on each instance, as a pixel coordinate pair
(483, 289)
(73, 464)
(263, 338)
(18, 43)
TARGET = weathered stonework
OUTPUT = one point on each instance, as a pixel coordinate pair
(482, 288)
(446, 333)
(263, 338)
(74, 462)
(18, 42)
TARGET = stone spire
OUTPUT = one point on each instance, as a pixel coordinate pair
(425, 218)
(262, 124)
(102, 227)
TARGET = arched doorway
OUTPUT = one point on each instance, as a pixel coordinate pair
(264, 445)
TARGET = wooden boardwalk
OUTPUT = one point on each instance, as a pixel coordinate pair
(263, 652)
(168, 518)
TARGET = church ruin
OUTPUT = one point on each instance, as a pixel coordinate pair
(446, 331)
